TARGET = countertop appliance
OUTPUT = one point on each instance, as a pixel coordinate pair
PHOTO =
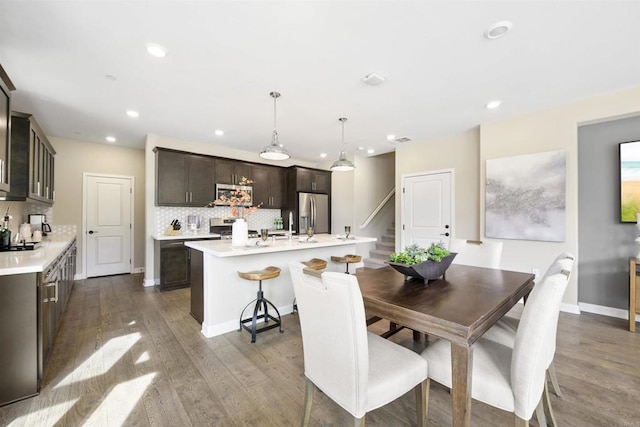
(313, 211)
(39, 222)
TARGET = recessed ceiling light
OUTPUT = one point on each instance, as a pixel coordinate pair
(497, 30)
(156, 50)
(371, 151)
(493, 104)
(323, 155)
(132, 113)
(218, 132)
(391, 137)
(360, 148)
(111, 139)
(110, 77)
(373, 79)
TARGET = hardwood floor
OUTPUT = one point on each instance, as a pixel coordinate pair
(128, 355)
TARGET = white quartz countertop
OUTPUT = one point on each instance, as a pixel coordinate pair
(223, 248)
(37, 260)
(187, 236)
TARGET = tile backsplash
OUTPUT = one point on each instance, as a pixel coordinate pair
(261, 218)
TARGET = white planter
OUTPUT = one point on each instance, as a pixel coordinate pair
(239, 233)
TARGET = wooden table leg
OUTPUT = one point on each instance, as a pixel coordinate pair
(461, 365)
(632, 295)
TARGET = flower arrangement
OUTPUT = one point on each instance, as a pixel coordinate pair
(237, 200)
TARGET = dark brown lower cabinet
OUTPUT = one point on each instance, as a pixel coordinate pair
(31, 308)
(197, 286)
(175, 265)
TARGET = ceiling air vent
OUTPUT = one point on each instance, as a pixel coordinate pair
(401, 140)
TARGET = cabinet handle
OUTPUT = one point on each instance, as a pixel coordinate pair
(53, 285)
(38, 188)
(186, 196)
(46, 191)
(1, 170)
(190, 196)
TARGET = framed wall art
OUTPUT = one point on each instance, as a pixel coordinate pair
(629, 180)
(525, 197)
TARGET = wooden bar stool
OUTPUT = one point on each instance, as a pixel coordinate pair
(261, 302)
(314, 264)
(347, 259)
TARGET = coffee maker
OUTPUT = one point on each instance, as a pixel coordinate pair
(39, 222)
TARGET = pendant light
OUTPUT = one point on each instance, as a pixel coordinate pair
(342, 164)
(274, 151)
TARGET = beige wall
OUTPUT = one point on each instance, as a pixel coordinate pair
(459, 152)
(547, 130)
(73, 158)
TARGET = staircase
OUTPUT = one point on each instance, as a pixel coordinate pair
(385, 246)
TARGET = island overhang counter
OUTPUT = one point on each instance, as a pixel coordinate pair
(225, 294)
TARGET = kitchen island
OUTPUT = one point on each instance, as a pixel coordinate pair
(225, 294)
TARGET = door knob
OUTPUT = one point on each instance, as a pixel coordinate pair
(91, 231)
(444, 234)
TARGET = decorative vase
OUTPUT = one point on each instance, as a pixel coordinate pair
(239, 233)
(426, 270)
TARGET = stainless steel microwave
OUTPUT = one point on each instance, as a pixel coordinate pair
(243, 194)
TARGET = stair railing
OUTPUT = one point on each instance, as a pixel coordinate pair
(378, 208)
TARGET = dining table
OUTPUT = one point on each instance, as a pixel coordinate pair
(458, 307)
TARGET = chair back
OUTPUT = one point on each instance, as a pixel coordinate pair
(535, 340)
(334, 335)
(478, 254)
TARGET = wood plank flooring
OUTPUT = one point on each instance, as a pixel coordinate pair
(129, 355)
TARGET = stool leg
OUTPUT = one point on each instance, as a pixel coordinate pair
(295, 306)
(279, 321)
(254, 322)
(347, 271)
(242, 314)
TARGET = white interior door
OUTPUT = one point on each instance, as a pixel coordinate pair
(108, 224)
(426, 209)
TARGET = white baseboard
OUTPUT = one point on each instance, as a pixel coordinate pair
(211, 331)
(149, 282)
(606, 311)
(570, 308)
(79, 276)
(138, 270)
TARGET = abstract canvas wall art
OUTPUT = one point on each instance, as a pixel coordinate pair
(525, 197)
(629, 181)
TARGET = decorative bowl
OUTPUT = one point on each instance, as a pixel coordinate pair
(425, 270)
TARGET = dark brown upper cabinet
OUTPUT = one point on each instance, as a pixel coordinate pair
(184, 179)
(232, 171)
(5, 130)
(32, 161)
(268, 186)
(310, 180)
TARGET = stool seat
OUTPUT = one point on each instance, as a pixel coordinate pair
(264, 274)
(349, 258)
(261, 304)
(316, 264)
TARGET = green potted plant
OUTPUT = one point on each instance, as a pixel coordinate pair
(425, 264)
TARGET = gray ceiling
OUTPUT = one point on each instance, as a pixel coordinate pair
(224, 57)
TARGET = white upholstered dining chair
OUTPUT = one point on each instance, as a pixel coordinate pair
(475, 253)
(358, 370)
(504, 331)
(512, 378)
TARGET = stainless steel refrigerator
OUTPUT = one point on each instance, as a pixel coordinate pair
(313, 211)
